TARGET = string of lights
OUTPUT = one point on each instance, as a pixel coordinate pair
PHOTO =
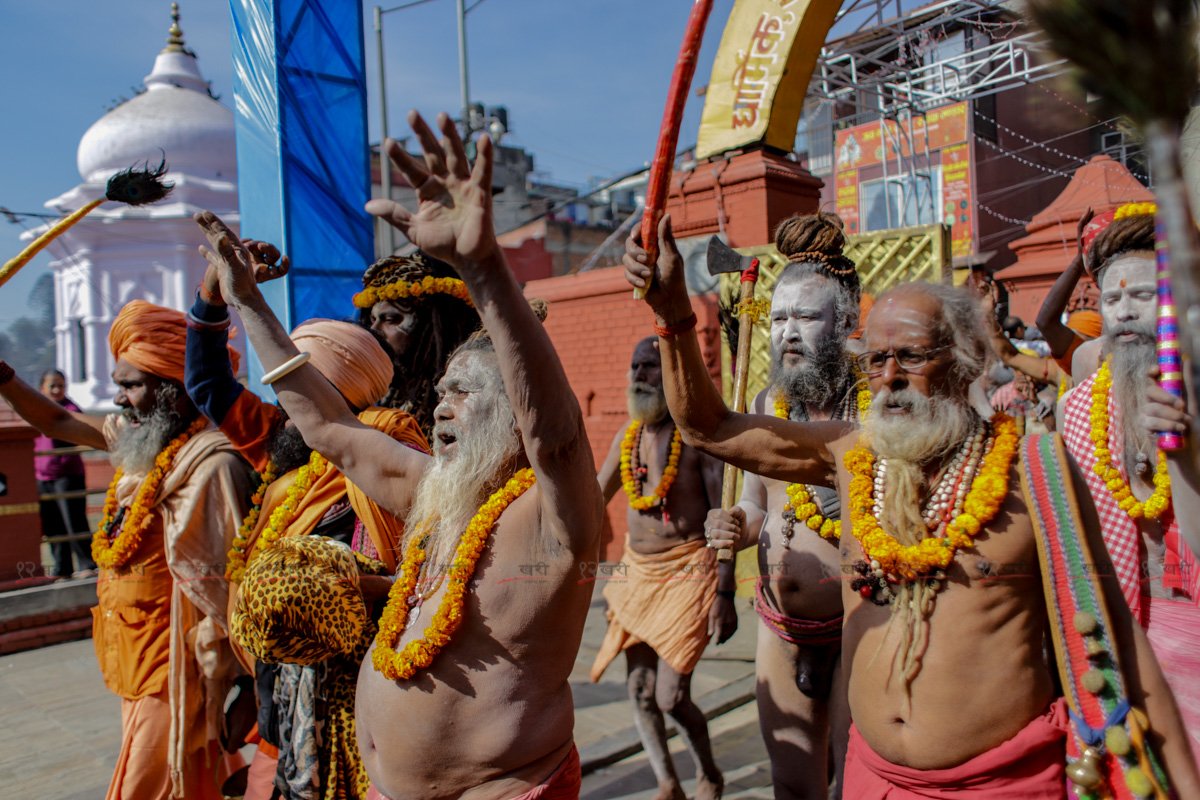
(1053, 150)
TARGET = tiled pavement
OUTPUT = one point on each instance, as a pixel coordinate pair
(60, 727)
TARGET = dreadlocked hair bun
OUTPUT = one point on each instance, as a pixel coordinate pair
(1131, 234)
(411, 268)
(822, 232)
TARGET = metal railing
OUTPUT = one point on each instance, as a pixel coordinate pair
(68, 451)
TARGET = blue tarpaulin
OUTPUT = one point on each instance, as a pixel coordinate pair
(300, 96)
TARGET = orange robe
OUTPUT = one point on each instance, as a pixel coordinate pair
(662, 600)
(160, 628)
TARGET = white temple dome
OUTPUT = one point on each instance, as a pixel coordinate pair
(175, 117)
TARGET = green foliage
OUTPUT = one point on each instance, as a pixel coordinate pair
(1139, 56)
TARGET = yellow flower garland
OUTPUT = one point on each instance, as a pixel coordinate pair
(1156, 503)
(799, 495)
(638, 501)
(982, 503)
(419, 653)
(115, 552)
(282, 516)
(401, 290)
(236, 562)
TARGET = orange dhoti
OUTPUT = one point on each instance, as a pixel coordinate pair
(662, 600)
(142, 771)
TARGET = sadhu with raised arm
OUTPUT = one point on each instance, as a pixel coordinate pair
(465, 691)
(951, 687)
(179, 494)
(311, 542)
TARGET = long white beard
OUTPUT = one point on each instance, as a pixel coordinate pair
(934, 427)
(647, 404)
(1130, 361)
(136, 448)
(452, 489)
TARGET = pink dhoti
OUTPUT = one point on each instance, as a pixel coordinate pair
(1173, 628)
(1029, 766)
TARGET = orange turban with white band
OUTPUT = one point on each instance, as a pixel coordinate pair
(349, 356)
(153, 339)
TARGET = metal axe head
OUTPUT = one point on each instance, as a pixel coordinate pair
(723, 258)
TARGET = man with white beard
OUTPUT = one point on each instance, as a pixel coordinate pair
(801, 689)
(179, 493)
(465, 692)
(1126, 474)
(671, 596)
(950, 683)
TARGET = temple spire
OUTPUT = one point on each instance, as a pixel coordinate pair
(175, 34)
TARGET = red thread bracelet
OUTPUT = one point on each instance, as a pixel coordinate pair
(678, 328)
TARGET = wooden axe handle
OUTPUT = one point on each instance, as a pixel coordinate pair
(741, 375)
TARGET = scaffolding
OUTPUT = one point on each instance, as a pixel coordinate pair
(894, 60)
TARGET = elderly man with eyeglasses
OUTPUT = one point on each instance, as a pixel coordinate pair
(952, 688)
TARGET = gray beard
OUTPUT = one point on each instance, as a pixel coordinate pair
(1130, 364)
(452, 489)
(647, 404)
(934, 428)
(821, 381)
(136, 448)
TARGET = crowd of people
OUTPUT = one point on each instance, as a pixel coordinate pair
(376, 581)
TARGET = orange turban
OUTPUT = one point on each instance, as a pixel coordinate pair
(349, 356)
(1086, 323)
(152, 338)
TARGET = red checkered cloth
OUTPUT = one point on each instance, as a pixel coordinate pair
(1120, 532)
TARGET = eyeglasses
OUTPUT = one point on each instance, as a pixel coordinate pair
(872, 362)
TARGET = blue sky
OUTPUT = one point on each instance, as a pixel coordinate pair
(584, 81)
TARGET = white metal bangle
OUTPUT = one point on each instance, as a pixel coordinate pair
(290, 365)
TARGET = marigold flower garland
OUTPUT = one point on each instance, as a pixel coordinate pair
(282, 516)
(800, 504)
(237, 561)
(637, 500)
(419, 653)
(401, 290)
(982, 503)
(112, 552)
(1156, 503)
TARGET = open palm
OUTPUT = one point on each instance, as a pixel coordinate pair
(453, 221)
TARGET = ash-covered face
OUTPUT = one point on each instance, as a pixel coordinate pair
(1128, 300)
(808, 350)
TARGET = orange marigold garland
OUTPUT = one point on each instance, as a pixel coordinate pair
(401, 290)
(114, 551)
(632, 486)
(800, 504)
(419, 653)
(236, 562)
(1156, 503)
(982, 503)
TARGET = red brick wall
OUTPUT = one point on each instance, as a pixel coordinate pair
(594, 323)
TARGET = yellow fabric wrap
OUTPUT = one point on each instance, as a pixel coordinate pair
(300, 603)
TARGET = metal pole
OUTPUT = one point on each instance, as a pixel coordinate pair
(462, 68)
(387, 241)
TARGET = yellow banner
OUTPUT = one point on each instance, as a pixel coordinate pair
(761, 73)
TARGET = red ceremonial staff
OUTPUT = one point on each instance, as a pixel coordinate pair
(668, 134)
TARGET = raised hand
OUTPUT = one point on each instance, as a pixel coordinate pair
(454, 216)
(234, 264)
(266, 256)
(664, 283)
